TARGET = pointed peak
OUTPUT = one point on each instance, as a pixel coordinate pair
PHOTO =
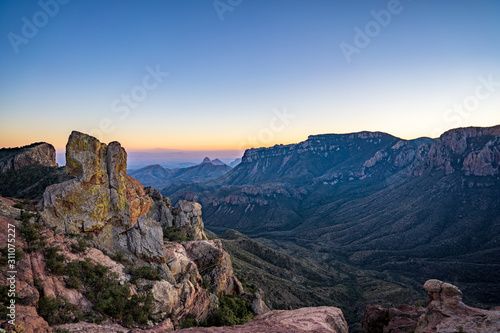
(218, 162)
(206, 160)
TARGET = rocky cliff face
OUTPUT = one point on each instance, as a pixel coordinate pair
(446, 313)
(121, 218)
(472, 151)
(18, 158)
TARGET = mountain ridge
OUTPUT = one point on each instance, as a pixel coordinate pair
(372, 200)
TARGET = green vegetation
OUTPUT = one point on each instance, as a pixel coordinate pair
(119, 257)
(173, 234)
(81, 246)
(247, 286)
(4, 301)
(54, 261)
(30, 182)
(144, 272)
(189, 321)
(232, 310)
(57, 311)
(110, 299)
(18, 255)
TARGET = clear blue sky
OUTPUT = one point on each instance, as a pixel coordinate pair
(225, 76)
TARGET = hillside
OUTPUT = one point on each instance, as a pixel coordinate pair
(421, 208)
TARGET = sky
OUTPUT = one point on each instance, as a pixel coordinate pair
(203, 75)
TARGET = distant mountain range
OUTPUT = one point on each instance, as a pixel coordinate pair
(159, 177)
(420, 208)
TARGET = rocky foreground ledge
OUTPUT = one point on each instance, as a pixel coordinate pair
(323, 319)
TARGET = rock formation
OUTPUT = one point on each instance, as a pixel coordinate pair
(103, 200)
(472, 150)
(446, 313)
(18, 158)
(118, 217)
(402, 319)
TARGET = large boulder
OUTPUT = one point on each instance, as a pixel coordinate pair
(103, 200)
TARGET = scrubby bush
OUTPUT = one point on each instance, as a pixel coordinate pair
(81, 246)
(58, 311)
(144, 272)
(28, 231)
(54, 261)
(18, 255)
(189, 321)
(119, 257)
(108, 296)
(173, 234)
(232, 310)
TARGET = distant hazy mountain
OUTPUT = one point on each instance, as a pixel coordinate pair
(159, 177)
(422, 208)
(151, 175)
(216, 161)
(235, 162)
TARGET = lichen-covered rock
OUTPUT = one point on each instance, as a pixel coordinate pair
(37, 153)
(103, 200)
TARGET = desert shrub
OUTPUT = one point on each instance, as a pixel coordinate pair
(81, 246)
(36, 246)
(231, 311)
(37, 283)
(119, 257)
(248, 286)
(28, 231)
(5, 300)
(18, 255)
(54, 261)
(108, 296)
(19, 205)
(58, 311)
(144, 272)
(189, 321)
(173, 234)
